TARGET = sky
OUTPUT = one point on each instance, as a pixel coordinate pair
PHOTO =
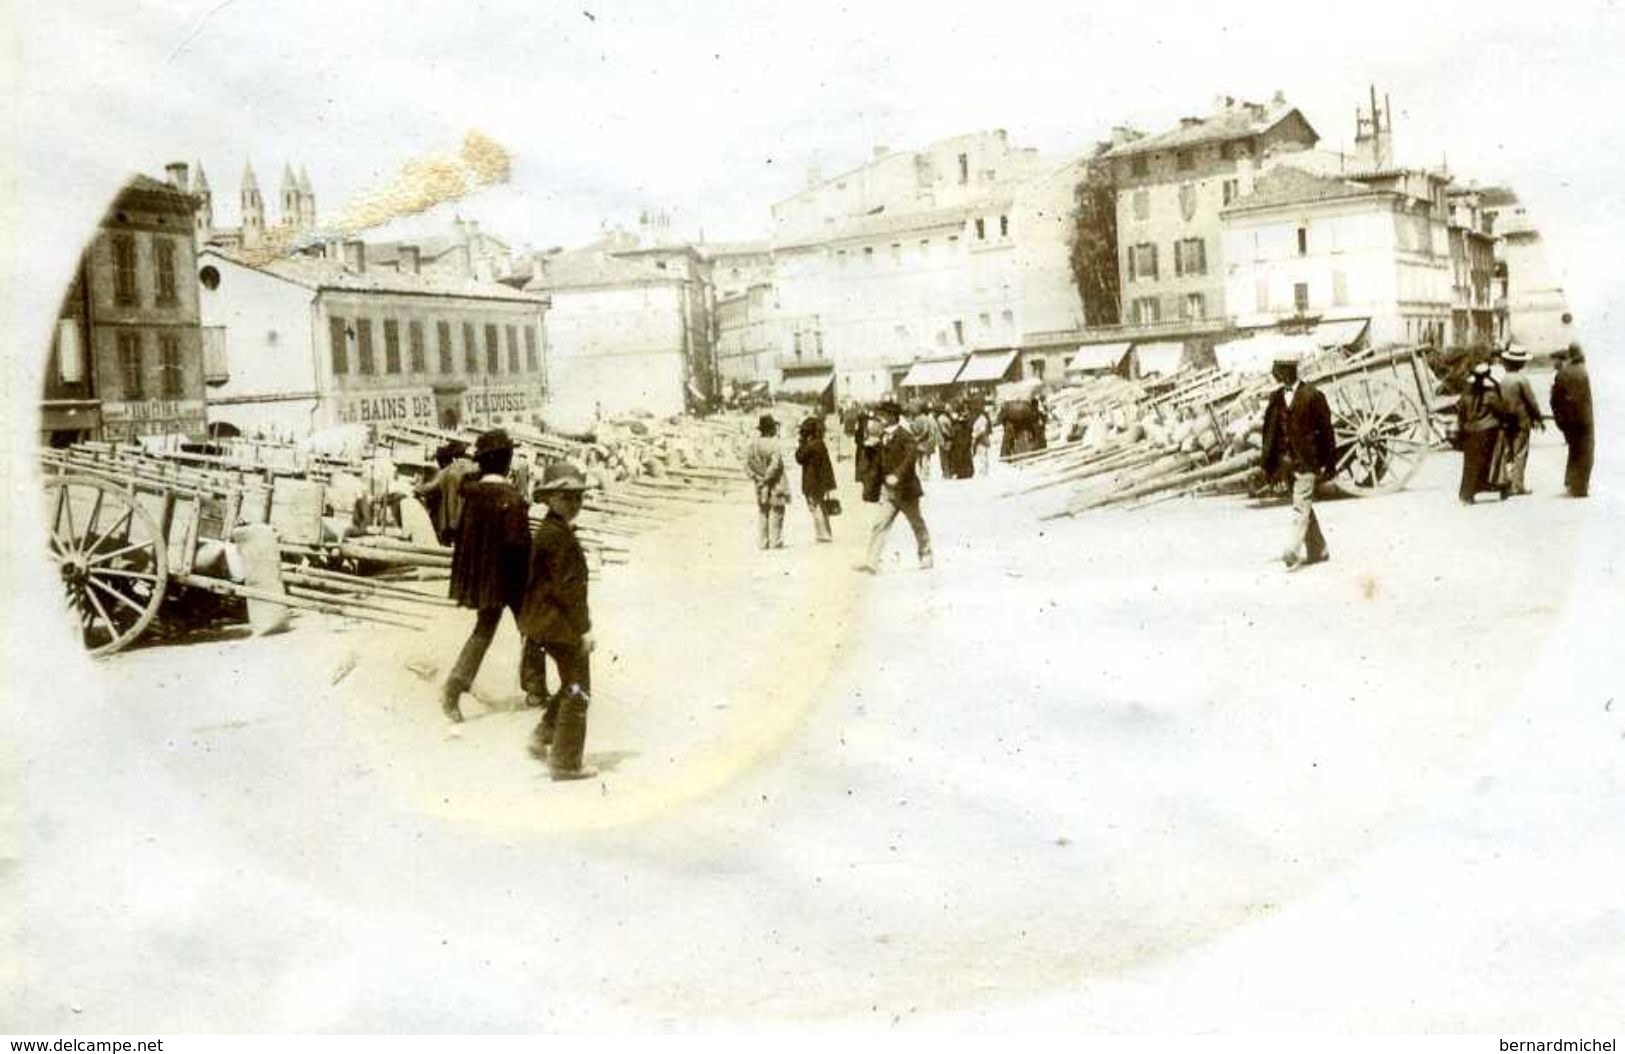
(714, 111)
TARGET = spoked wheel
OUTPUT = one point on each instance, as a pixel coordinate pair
(1382, 435)
(111, 557)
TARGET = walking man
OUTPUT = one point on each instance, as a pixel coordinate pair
(554, 618)
(1523, 415)
(764, 462)
(488, 566)
(900, 489)
(1571, 409)
(1300, 446)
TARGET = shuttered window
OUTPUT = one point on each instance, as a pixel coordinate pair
(442, 334)
(337, 342)
(129, 365)
(414, 344)
(392, 346)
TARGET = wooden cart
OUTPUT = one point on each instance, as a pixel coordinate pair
(1381, 405)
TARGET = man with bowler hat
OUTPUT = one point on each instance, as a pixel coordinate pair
(764, 462)
(1299, 445)
(554, 619)
(1571, 409)
(488, 565)
(900, 489)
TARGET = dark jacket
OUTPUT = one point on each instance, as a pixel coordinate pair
(492, 547)
(899, 460)
(1302, 433)
(1571, 398)
(1480, 409)
(817, 473)
(555, 605)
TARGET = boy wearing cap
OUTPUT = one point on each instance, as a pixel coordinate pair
(554, 618)
(1523, 412)
(488, 564)
(1300, 445)
(901, 490)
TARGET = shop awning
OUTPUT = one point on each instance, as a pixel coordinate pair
(815, 382)
(1339, 334)
(1256, 354)
(985, 366)
(1099, 356)
(1161, 357)
(932, 373)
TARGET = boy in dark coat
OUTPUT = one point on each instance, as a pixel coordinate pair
(1300, 445)
(488, 564)
(554, 619)
(1571, 409)
(901, 490)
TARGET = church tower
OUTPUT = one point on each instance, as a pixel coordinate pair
(292, 212)
(204, 217)
(307, 200)
(253, 208)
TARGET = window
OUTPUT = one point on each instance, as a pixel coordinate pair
(1227, 151)
(1004, 226)
(1142, 262)
(964, 169)
(796, 337)
(900, 332)
(210, 277)
(129, 365)
(1008, 317)
(868, 254)
(442, 337)
(981, 229)
(493, 353)
(840, 258)
(414, 342)
(1300, 297)
(532, 363)
(169, 359)
(897, 253)
(163, 255)
(1232, 190)
(1190, 256)
(513, 349)
(925, 247)
(985, 319)
(1142, 204)
(953, 240)
(959, 332)
(1036, 368)
(363, 345)
(1138, 166)
(471, 350)
(1303, 241)
(818, 343)
(1147, 309)
(1340, 288)
(338, 345)
(124, 269)
(1195, 306)
(1184, 160)
(392, 346)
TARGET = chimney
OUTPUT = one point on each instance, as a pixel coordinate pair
(1278, 100)
(410, 260)
(881, 151)
(355, 255)
(177, 172)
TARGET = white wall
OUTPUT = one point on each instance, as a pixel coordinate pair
(618, 349)
(268, 338)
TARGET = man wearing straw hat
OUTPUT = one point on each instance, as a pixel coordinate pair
(1523, 411)
(1299, 444)
(554, 618)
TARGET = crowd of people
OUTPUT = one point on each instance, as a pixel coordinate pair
(1498, 413)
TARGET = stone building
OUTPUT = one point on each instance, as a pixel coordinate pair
(126, 359)
(1536, 309)
(315, 340)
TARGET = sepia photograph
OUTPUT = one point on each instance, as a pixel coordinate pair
(636, 517)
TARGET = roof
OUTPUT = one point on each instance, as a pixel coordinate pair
(594, 268)
(1235, 122)
(320, 273)
(746, 248)
(880, 224)
(1285, 185)
(140, 184)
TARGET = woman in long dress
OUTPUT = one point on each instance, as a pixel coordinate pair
(1480, 415)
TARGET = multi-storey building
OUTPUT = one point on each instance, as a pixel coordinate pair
(318, 340)
(1475, 319)
(1536, 310)
(1171, 190)
(127, 356)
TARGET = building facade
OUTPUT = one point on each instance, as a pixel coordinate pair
(1536, 309)
(127, 356)
(317, 341)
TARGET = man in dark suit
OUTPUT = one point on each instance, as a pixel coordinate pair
(898, 471)
(1571, 409)
(1299, 445)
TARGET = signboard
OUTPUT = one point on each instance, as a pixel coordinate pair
(399, 406)
(498, 405)
(153, 417)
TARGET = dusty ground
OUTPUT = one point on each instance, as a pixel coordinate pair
(1119, 772)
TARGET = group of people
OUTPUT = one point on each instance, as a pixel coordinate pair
(954, 439)
(1497, 414)
(498, 564)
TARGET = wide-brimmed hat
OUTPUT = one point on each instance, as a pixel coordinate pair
(1288, 357)
(561, 476)
(766, 424)
(1515, 353)
(492, 442)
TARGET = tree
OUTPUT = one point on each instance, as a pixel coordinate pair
(1093, 248)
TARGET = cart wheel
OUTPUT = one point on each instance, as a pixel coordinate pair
(1382, 435)
(111, 556)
